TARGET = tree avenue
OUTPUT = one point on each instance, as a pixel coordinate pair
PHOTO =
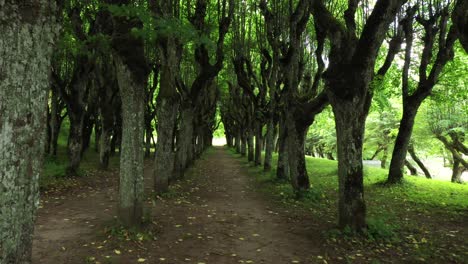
(281, 80)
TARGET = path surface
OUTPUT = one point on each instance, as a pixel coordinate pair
(219, 218)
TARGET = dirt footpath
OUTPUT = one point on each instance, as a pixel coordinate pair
(213, 216)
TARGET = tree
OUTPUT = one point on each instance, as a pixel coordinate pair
(460, 21)
(301, 96)
(192, 107)
(168, 101)
(434, 19)
(132, 74)
(30, 31)
(447, 114)
(348, 84)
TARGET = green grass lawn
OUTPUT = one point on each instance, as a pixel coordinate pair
(418, 220)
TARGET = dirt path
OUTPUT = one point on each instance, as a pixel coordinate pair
(215, 217)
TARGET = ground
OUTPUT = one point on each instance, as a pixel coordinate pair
(214, 216)
(226, 211)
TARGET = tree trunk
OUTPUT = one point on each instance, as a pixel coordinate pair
(282, 170)
(258, 143)
(383, 162)
(48, 130)
(402, 142)
(75, 142)
(238, 142)
(55, 122)
(107, 125)
(184, 142)
(296, 156)
(411, 168)
(350, 119)
(28, 31)
(88, 125)
(250, 145)
(377, 151)
(104, 148)
(164, 160)
(131, 188)
(113, 143)
(148, 138)
(418, 161)
(243, 150)
(270, 145)
(457, 171)
(97, 135)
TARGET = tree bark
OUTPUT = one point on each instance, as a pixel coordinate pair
(250, 145)
(104, 147)
(29, 31)
(258, 143)
(243, 150)
(412, 169)
(457, 171)
(97, 135)
(282, 170)
(401, 144)
(184, 142)
(107, 125)
(238, 142)
(350, 118)
(270, 144)
(296, 155)
(164, 160)
(412, 152)
(131, 188)
(383, 161)
(75, 142)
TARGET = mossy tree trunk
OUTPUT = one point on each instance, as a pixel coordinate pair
(296, 155)
(131, 155)
(132, 73)
(28, 34)
(269, 144)
(348, 78)
(350, 131)
(282, 168)
(184, 141)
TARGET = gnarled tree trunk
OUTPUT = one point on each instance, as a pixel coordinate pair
(412, 152)
(457, 171)
(402, 143)
(411, 168)
(296, 154)
(350, 119)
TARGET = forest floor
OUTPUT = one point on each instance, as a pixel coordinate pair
(222, 212)
(212, 216)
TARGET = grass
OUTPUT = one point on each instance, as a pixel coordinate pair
(54, 172)
(417, 220)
